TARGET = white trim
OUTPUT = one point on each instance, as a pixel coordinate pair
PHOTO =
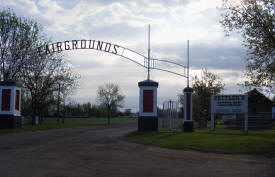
(12, 110)
(185, 107)
(146, 114)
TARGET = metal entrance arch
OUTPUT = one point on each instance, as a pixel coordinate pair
(146, 62)
(141, 60)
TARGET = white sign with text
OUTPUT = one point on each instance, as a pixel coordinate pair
(229, 104)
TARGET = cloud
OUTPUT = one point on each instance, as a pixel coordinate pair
(125, 23)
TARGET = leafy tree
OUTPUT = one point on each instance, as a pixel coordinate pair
(203, 87)
(127, 112)
(255, 20)
(43, 76)
(110, 98)
(18, 37)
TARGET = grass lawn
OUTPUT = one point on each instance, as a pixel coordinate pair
(50, 123)
(222, 140)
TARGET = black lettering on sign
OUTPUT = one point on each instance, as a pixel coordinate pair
(47, 49)
(74, 44)
(67, 46)
(115, 49)
(83, 44)
(59, 44)
(99, 45)
(91, 44)
(53, 48)
(107, 47)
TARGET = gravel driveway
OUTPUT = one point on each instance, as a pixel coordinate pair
(103, 151)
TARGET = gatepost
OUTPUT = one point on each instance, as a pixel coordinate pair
(148, 119)
(188, 125)
(10, 96)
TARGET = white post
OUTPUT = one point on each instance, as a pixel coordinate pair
(148, 52)
(36, 120)
(170, 114)
(212, 114)
(187, 63)
(212, 122)
(246, 116)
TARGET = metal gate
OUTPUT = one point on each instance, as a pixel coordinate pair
(170, 115)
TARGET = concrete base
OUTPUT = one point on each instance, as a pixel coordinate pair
(10, 122)
(188, 126)
(147, 124)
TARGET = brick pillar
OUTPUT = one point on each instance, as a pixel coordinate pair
(148, 120)
(188, 125)
(10, 103)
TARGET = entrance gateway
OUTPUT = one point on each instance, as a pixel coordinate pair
(10, 90)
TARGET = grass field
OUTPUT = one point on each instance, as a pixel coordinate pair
(50, 123)
(222, 140)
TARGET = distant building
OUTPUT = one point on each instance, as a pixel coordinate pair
(260, 112)
(258, 103)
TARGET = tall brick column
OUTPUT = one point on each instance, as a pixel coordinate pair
(148, 119)
(10, 103)
(188, 125)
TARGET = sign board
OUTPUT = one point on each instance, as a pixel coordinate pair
(228, 104)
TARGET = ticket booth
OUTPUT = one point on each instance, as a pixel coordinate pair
(148, 119)
(10, 103)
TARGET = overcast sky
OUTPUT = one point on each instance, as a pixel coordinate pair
(125, 23)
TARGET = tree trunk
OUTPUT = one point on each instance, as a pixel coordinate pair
(109, 116)
(33, 110)
(58, 103)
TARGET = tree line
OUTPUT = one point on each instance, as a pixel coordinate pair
(84, 110)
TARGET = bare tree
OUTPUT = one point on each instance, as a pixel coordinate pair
(46, 77)
(110, 97)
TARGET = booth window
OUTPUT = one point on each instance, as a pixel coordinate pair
(6, 95)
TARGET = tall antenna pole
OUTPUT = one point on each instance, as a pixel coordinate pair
(148, 52)
(187, 63)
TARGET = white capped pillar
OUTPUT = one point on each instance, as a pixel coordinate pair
(188, 125)
(10, 104)
(148, 120)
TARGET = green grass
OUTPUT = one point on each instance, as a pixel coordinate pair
(50, 123)
(222, 140)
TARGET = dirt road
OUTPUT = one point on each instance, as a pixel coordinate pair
(103, 151)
